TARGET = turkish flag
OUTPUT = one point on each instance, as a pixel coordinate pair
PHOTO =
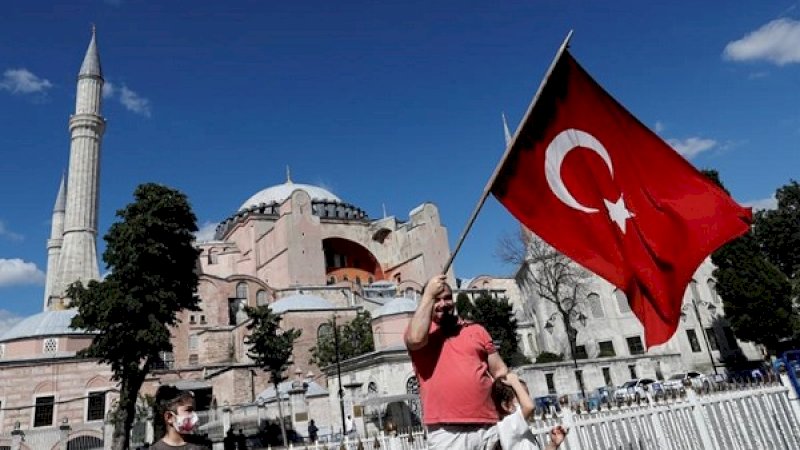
(592, 181)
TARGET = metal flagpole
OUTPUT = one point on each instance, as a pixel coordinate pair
(488, 188)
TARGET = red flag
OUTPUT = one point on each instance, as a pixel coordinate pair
(587, 177)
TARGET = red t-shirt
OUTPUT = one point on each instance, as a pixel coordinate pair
(454, 383)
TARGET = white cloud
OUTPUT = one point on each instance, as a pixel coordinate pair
(16, 271)
(660, 127)
(5, 232)
(7, 320)
(108, 90)
(131, 100)
(777, 42)
(693, 146)
(206, 232)
(764, 203)
(134, 102)
(23, 81)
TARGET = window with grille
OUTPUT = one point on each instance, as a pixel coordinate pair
(261, 298)
(580, 352)
(372, 389)
(43, 411)
(50, 345)
(635, 346)
(596, 306)
(693, 341)
(96, 406)
(412, 386)
(193, 360)
(607, 376)
(606, 349)
(551, 383)
(711, 335)
(241, 290)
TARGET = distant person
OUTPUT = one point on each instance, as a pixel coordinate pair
(455, 363)
(515, 406)
(176, 419)
(312, 431)
(229, 441)
(241, 441)
(349, 426)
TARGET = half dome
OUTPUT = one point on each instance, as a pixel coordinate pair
(397, 306)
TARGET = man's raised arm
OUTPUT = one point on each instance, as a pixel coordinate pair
(417, 332)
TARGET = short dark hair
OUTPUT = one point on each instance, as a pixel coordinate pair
(168, 398)
(501, 393)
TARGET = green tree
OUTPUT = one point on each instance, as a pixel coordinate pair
(152, 260)
(355, 338)
(778, 230)
(464, 306)
(497, 316)
(756, 294)
(271, 349)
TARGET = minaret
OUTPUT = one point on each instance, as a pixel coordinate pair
(78, 259)
(55, 241)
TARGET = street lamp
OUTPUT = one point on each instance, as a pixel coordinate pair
(711, 309)
(339, 372)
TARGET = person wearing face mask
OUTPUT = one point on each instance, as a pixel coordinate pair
(176, 418)
(455, 363)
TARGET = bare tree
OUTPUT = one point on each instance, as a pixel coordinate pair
(551, 275)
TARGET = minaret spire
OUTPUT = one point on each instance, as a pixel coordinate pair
(505, 130)
(78, 256)
(55, 241)
(288, 175)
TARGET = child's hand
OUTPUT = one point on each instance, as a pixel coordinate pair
(510, 379)
(557, 435)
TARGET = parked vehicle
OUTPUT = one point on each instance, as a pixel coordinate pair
(679, 381)
(637, 388)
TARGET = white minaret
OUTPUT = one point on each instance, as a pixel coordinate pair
(55, 241)
(78, 258)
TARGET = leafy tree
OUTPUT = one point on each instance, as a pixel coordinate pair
(756, 294)
(554, 278)
(464, 306)
(497, 316)
(355, 338)
(270, 348)
(778, 231)
(152, 259)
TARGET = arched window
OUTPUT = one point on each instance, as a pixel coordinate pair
(712, 289)
(241, 290)
(370, 280)
(212, 256)
(622, 301)
(372, 389)
(596, 306)
(324, 331)
(261, 297)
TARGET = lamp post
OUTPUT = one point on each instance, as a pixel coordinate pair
(703, 330)
(339, 372)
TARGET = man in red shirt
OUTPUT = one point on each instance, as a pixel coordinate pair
(455, 363)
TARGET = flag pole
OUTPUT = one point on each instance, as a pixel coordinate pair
(509, 145)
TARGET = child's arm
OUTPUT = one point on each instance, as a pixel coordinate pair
(523, 397)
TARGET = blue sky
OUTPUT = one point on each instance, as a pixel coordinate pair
(384, 103)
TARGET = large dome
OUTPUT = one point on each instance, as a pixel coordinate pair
(279, 193)
(48, 323)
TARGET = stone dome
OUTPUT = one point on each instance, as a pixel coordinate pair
(279, 193)
(48, 323)
(301, 302)
(396, 306)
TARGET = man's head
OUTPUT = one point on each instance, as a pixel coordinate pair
(443, 305)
